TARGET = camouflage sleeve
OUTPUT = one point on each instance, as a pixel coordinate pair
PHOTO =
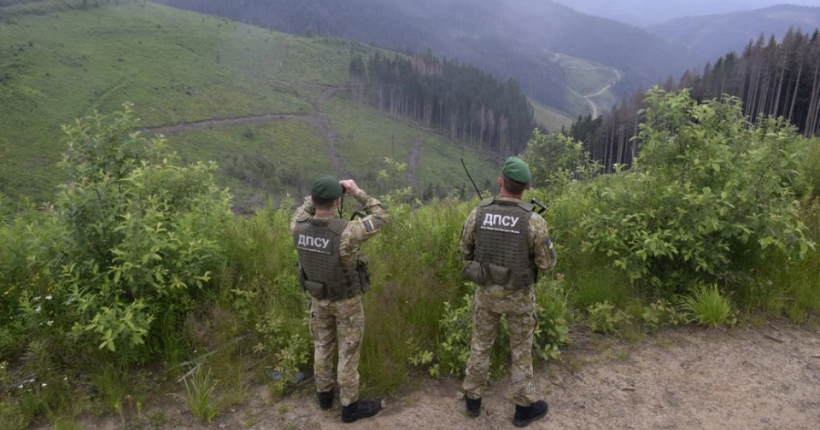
(541, 244)
(360, 230)
(468, 236)
(307, 208)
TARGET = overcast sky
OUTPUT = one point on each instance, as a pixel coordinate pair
(644, 12)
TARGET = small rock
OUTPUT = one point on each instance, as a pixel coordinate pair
(222, 426)
(672, 399)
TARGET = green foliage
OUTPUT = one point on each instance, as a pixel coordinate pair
(605, 318)
(200, 396)
(143, 232)
(709, 307)
(556, 160)
(661, 313)
(552, 309)
(706, 192)
(456, 326)
(810, 169)
(290, 352)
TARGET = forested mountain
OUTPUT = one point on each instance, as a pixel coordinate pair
(770, 78)
(508, 38)
(648, 12)
(462, 102)
(709, 37)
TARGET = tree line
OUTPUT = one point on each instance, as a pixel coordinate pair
(462, 102)
(771, 78)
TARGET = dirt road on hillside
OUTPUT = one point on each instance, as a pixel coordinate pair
(317, 119)
(589, 97)
(684, 378)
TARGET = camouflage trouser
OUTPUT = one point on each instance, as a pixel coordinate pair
(519, 308)
(343, 321)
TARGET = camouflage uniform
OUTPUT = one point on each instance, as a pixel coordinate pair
(517, 304)
(342, 320)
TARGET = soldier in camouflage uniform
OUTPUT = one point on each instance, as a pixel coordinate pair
(334, 274)
(505, 243)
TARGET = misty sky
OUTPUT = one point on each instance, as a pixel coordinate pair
(646, 12)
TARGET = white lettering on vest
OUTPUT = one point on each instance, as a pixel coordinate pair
(312, 242)
(492, 221)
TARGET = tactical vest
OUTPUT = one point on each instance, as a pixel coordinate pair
(502, 243)
(321, 272)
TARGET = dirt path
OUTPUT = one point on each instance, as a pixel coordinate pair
(317, 118)
(683, 378)
(225, 122)
(589, 97)
(413, 163)
(680, 379)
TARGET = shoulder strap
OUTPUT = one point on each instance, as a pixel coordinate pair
(487, 202)
(337, 225)
(526, 206)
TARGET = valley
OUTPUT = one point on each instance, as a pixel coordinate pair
(189, 75)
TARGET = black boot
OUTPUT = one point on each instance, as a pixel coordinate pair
(473, 407)
(325, 400)
(360, 409)
(524, 415)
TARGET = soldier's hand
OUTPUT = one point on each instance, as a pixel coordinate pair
(350, 186)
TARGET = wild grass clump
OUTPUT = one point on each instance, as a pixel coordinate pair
(200, 397)
(709, 307)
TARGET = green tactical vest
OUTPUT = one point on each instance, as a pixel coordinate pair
(502, 243)
(321, 272)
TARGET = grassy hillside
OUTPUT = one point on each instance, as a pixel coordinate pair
(59, 62)
(549, 118)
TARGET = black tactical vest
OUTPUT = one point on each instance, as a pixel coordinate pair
(502, 243)
(322, 274)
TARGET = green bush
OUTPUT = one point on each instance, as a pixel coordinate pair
(605, 318)
(707, 192)
(132, 236)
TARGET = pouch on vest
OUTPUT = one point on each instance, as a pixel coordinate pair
(316, 289)
(499, 275)
(474, 271)
(364, 273)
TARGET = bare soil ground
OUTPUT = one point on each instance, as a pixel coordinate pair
(687, 378)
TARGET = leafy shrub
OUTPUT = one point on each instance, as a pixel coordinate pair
(707, 192)
(553, 327)
(661, 313)
(709, 307)
(132, 236)
(605, 318)
(556, 160)
(456, 326)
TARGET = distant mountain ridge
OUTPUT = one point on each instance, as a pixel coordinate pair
(651, 12)
(709, 37)
(509, 38)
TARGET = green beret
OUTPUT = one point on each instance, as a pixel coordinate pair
(516, 170)
(326, 187)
